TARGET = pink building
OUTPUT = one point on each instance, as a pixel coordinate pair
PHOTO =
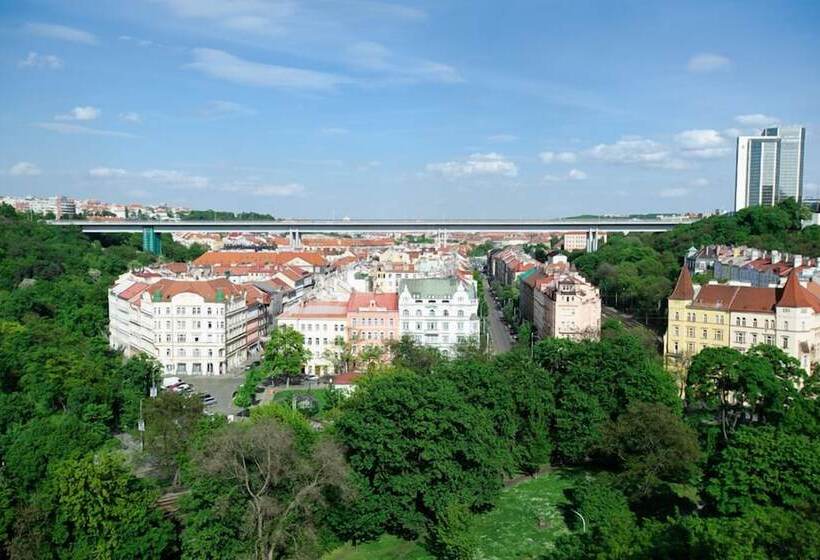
(372, 318)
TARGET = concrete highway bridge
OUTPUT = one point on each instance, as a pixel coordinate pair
(294, 228)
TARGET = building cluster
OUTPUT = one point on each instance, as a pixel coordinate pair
(553, 297)
(63, 207)
(213, 315)
(58, 206)
(741, 316)
(748, 265)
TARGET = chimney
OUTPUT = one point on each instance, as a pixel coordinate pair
(798, 261)
(775, 257)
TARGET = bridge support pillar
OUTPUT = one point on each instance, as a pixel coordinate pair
(592, 240)
(151, 241)
(295, 239)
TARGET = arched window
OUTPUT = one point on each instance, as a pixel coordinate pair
(406, 313)
(461, 313)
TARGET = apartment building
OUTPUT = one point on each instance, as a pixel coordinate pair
(579, 240)
(372, 319)
(305, 260)
(565, 305)
(507, 265)
(717, 315)
(438, 312)
(324, 327)
(197, 327)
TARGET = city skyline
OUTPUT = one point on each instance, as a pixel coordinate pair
(368, 109)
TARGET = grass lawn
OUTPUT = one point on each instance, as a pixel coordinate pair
(287, 395)
(524, 524)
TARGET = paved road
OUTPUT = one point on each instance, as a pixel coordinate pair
(500, 338)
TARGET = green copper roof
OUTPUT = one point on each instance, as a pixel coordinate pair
(432, 287)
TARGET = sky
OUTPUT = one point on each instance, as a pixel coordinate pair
(370, 108)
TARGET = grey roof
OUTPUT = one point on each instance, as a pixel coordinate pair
(432, 287)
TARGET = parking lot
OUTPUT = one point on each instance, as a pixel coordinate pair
(221, 387)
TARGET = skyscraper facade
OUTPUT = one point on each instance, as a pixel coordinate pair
(770, 167)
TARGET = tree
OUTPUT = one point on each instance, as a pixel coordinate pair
(170, 420)
(285, 352)
(734, 388)
(408, 354)
(605, 527)
(767, 467)
(104, 512)
(655, 451)
(282, 487)
(418, 446)
(579, 418)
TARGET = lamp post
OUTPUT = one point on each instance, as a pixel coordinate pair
(583, 521)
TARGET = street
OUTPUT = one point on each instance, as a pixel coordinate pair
(500, 338)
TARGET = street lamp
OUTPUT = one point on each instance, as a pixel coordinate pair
(583, 521)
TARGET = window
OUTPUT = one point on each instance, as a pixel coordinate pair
(704, 334)
(460, 313)
(737, 321)
(690, 332)
(432, 313)
(785, 342)
(406, 313)
(705, 318)
(785, 325)
(418, 312)
(718, 334)
(754, 338)
(690, 347)
(754, 323)
(740, 337)
(431, 326)
(676, 331)
(769, 339)
(743, 321)
(405, 326)
(446, 313)
(677, 316)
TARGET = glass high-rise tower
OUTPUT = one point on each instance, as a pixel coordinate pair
(770, 167)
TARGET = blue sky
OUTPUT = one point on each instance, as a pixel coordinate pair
(371, 108)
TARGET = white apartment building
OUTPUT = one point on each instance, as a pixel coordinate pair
(322, 323)
(196, 327)
(438, 312)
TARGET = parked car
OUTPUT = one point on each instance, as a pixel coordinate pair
(182, 388)
(207, 399)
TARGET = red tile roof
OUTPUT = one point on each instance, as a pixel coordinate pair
(795, 295)
(132, 291)
(361, 301)
(233, 258)
(683, 288)
(207, 289)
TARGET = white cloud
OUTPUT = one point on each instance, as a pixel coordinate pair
(107, 172)
(37, 60)
(289, 189)
(22, 168)
(703, 143)
(224, 66)
(476, 164)
(67, 128)
(375, 57)
(757, 120)
(700, 182)
(334, 131)
(221, 108)
(673, 192)
(572, 175)
(812, 189)
(708, 62)
(502, 137)
(732, 132)
(634, 150)
(61, 32)
(131, 117)
(561, 157)
(86, 113)
(175, 179)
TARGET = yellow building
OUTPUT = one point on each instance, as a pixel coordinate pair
(741, 317)
(698, 318)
